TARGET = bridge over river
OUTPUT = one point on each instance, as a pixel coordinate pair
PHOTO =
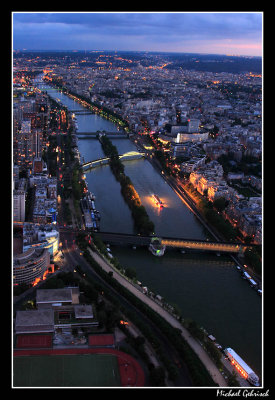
(112, 135)
(131, 155)
(121, 239)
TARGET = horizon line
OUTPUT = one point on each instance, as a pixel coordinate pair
(136, 51)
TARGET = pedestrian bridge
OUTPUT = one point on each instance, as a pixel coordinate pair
(131, 155)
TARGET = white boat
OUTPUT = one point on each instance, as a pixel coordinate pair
(241, 366)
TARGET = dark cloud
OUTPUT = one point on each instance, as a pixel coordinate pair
(146, 29)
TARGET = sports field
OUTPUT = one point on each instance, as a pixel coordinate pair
(77, 370)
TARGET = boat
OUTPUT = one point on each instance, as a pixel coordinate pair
(157, 200)
(91, 196)
(156, 248)
(252, 283)
(246, 275)
(246, 372)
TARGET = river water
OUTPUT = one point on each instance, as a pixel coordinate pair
(207, 289)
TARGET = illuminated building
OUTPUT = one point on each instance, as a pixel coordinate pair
(41, 236)
(217, 190)
(180, 134)
(202, 185)
(23, 152)
(30, 119)
(44, 210)
(42, 110)
(191, 137)
(30, 265)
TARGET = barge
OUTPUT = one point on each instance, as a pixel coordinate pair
(90, 214)
(157, 200)
(242, 367)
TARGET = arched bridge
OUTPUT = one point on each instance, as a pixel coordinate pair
(131, 155)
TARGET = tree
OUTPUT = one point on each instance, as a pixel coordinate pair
(130, 272)
(232, 379)
(220, 204)
(139, 340)
(157, 376)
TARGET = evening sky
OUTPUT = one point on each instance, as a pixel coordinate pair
(238, 33)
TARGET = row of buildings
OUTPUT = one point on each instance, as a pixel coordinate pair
(244, 213)
(36, 241)
(160, 96)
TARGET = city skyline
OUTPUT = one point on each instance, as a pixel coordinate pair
(234, 33)
(137, 196)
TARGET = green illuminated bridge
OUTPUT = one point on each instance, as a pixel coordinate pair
(131, 155)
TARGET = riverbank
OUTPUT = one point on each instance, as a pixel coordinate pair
(196, 347)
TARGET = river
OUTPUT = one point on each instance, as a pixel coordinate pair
(207, 289)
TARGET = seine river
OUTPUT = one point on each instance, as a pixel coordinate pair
(207, 289)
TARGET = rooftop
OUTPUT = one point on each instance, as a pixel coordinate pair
(83, 311)
(34, 321)
(55, 295)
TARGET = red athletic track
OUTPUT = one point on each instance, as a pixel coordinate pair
(34, 341)
(131, 373)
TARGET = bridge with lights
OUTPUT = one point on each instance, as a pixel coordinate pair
(131, 155)
(121, 239)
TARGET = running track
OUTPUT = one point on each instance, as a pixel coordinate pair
(131, 373)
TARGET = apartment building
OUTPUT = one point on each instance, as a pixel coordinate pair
(30, 265)
(19, 197)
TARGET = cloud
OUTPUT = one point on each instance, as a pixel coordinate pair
(136, 29)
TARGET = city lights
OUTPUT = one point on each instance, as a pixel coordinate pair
(137, 165)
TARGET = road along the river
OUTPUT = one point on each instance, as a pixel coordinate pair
(201, 353)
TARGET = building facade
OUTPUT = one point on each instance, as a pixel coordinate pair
(30, 265)
(19, 205)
